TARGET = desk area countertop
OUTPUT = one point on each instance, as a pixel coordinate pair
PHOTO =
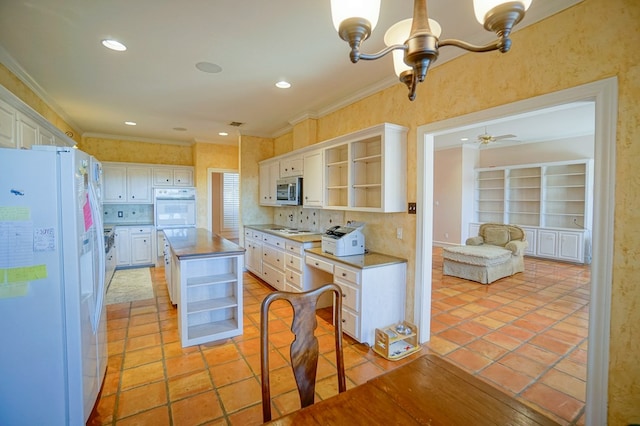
(425, 391)
(362, 261)
(198, 242)
(303, 237)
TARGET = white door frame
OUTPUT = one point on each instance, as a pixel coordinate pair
(210, 172)
(605, 95)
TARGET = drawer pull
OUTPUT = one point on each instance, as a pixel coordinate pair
(344, 275)
(344, 295)
(316, 263)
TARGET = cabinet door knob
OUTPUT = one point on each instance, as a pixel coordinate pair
(344, 320)
(344, 295)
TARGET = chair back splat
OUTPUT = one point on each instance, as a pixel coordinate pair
(304, 349)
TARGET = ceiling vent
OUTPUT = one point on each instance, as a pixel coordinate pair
(236, 124)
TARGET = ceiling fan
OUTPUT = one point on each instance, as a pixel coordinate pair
(486, 138)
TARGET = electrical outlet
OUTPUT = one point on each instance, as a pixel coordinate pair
(412, 208)
(399, 233)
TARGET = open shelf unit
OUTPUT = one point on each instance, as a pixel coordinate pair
(489, 199)
(210, 305)
(337, 184)
(366, 170)
(393, 344)
(553, 202)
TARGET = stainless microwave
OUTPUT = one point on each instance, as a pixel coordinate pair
(289, 191)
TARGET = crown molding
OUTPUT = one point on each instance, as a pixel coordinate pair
(13, 66)
(134, 139)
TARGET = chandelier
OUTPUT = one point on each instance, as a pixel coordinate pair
(415, 42)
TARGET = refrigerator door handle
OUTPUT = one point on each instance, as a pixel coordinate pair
(99, 298)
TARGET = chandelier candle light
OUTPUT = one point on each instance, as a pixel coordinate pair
(415, 42)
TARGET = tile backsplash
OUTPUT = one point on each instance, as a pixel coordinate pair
(128, 214)
(304, 218)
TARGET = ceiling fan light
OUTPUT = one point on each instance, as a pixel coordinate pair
(398, 33)
(345, 9)
(482, 7)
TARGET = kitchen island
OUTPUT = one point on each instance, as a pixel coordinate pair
(206, 271)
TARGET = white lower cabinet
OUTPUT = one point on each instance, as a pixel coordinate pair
(558, 244)
(253, 255)
(134, 245)
(561, 245)
(273, 260)
(373, 297)
(210, 300)
(298, 275)
(278, 261)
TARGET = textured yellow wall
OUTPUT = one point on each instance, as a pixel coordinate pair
(252, 150)
(305, 133)
(207, 155)
(137, 152)
(283, 144)
(18, 88)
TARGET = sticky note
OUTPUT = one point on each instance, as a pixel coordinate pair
(13, 290)
(26, 273)
(14, 213)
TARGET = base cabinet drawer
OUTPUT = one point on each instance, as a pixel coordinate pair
(273, 276)
(273, 257)
(293, 261)
(319, 263)
(294, 278)
(342, 273)
(350, 297)
(350, 324)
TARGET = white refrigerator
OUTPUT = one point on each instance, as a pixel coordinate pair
(53, 356)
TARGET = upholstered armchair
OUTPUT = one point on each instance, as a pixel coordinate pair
(497, 252)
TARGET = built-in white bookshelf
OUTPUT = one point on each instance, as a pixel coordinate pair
(551, 201)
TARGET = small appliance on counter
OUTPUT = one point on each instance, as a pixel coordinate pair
(345, 240)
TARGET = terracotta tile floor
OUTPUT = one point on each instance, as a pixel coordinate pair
(525, 334)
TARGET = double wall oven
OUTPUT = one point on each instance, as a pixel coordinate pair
(175, 208)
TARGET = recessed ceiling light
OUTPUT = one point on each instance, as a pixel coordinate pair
(180, 129)
(130, 123)
(114, 45)
(223, 134)
(283, 84)
(209, 67)
(464, 139)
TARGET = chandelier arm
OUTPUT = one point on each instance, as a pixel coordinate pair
(502, 44)
(380, 54)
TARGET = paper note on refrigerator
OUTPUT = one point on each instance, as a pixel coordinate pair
(86, 211)
(16, 244)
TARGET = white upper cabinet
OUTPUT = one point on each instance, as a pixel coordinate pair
(312, 181)
(115, 183)
(27, 132)
(139, 185)
(7, 125)
(172, 176)
(269, 175)
(127, 184)
(21, 127)
(291, 166)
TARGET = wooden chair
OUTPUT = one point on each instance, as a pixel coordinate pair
(304, 348)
